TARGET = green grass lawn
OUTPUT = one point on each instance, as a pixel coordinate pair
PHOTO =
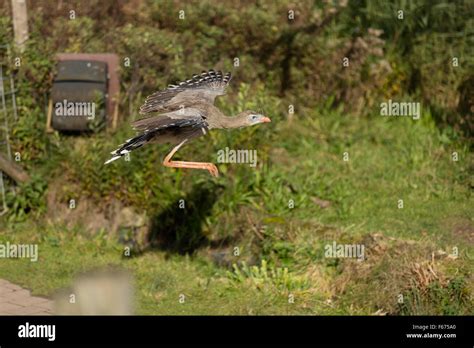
(389, 159)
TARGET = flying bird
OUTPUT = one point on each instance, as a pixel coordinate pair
(185, 111)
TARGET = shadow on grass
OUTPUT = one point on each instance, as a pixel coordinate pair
(178, 229)
(460, 119)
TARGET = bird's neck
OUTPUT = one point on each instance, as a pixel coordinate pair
(236, 121)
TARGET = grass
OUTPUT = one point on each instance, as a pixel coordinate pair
(282, 248)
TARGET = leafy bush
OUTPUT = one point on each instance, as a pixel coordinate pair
(28, 201)
(263, 276)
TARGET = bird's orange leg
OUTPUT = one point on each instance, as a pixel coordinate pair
(167, 162)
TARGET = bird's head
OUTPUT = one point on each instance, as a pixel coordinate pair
(253, 118)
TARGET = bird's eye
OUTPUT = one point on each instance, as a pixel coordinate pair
(253, 117)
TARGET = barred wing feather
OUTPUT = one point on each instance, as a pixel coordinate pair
(200, 88)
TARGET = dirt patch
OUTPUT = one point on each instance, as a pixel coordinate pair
(71, 210)
(463, 230)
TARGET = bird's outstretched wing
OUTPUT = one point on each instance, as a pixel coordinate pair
(167, 119)
(200, 88)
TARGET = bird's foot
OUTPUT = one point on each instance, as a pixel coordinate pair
(212, 169)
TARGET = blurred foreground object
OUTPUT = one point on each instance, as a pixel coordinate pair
(101, 292)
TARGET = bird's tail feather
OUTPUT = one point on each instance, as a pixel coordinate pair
(156, 126)
(129, 145)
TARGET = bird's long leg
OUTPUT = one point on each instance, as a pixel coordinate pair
(193, 165)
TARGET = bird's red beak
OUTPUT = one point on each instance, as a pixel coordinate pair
(266, 119)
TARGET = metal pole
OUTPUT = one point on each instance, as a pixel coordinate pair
(12, 86)
(2, 189)
(7, 130)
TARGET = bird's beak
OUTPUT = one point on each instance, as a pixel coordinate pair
(266, 119)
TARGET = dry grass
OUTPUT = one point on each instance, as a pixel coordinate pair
(399, 274)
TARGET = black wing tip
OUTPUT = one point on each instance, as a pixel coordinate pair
(197, 80)
(227, 77)
(213, 73)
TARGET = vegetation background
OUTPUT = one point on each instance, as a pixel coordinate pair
(252, 241)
